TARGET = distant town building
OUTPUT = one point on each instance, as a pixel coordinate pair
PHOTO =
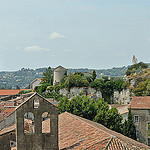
(12, 92)
(36, 82)
(58, 74)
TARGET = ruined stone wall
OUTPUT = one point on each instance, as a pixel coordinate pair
(122, 97)
(81, 91)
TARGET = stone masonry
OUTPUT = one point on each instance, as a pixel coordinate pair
(37, 140)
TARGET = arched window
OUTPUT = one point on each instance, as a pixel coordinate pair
(45, 122)
(29, 123)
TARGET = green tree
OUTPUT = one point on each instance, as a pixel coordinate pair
(64, 105)
(47, 76)
(114, 120)
(125, 129)
(139, 90)
(17, 87)
(97, 111)
(94, 75)
(129, 127)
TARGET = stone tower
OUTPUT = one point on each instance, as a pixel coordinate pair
(58, 73)
(37, 124)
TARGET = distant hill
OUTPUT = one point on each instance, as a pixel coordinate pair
(25, 76)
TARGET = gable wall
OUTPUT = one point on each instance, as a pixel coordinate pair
(37, 140)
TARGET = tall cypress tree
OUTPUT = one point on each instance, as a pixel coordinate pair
(129, 127)
(94, 75)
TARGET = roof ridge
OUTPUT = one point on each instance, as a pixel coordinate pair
(98, 142)
(105, 130)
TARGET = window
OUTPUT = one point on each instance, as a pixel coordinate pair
(149, 111)
(148, 141)
(12, 143)
(45, 122)
(136, 119)
(148, 129)
(36, 103)
(29, 123)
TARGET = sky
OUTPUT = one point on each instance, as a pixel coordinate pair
(97, 34)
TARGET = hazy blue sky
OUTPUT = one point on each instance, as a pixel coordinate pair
(73, 33)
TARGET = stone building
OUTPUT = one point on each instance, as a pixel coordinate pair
(36, 82)
(36, 123)
(122, 97)
(58, 73)
(36, 128)
(140, 109)
(88, 91)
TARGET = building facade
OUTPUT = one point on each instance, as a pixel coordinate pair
(140, 109)
(30, 133)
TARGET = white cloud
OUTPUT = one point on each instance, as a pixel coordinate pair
(56, 35)
(67, 50)
(35, 48)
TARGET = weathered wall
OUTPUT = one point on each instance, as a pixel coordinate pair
(5, 140)
(35, 83)
(122, 97)
(37, 140)
(58, 76)
(81, 91)
(142, 125)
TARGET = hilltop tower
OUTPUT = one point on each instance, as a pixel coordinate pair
(58, 73)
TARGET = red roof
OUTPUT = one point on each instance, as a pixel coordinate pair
(40, 79)
(76, 133)
(140, 102)
(5, 112)
(11, 92)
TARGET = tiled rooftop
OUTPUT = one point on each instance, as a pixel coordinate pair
(11, 92)
(76, 133)
(140, 102)
(79, 133)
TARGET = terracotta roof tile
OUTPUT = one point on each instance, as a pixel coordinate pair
(76, 133)
(11, 92)
(140, 102)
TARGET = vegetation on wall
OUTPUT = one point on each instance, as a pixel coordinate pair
(107, 86)
(140, 75)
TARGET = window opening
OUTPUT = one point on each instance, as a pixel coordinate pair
(45, 122)
(136, 119)
(148, 129)
(36, 103)
(148, 141)
(149, 111)
(12, 143)
(29, 123)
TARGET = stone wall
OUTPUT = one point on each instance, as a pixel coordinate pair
(81, 91)
(122, 97)
(6, 139)
(142, 124)
(37, 140)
